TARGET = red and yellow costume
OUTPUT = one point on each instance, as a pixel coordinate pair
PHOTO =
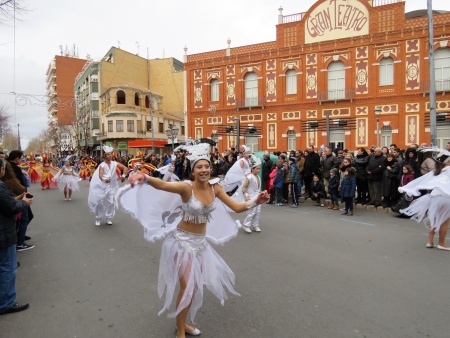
(33, 168)
(91, 165)
(84, 170)
(47, 175)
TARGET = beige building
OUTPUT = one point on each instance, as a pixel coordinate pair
(133, 92)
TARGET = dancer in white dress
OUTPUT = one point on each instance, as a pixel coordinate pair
(432, 209)
(238, 172)
(67, 180)
(181, 211)
(104, 186)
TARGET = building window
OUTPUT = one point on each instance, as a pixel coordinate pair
(119, 125)
(251, 90)
(292, 140)
(336, 81)
(442, 69)
(215, 90)
(251, 138)
(386, 136)
(120, 97)
(139, 126)
(155, 103)
(149, 125)
(386, 72)
(137, 99)
(110, 126)
(291, 82)
(147, 101)
(161, 127)
(215, 137)
(182, 130)
(130, 125)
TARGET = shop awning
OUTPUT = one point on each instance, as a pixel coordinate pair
(146, 144)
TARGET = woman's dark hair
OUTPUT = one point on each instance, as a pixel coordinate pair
(351, 172)
(11, 180)
(409, 168)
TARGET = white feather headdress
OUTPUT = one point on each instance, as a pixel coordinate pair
(108, 149)
(198, 152)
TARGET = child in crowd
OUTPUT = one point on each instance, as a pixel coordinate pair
(333, 190)
(318, 193)
(348, 190)
(250, 189)
(294, 174)
(278, 184)
(271, 190)
(407, 176)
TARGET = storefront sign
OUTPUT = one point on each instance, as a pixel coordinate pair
(337, 19)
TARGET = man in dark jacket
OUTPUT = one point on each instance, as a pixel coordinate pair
(9, 208)
(266, 170)
(360, 163)
(311, 168)
(327, 164)
(14, 159)
(374, 171)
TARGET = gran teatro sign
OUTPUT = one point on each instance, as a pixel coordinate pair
(336, 19)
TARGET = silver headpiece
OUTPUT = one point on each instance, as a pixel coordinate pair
(108, 149)
(198, 152)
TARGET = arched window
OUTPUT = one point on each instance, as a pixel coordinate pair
(386, 72)
(215, 90)
(442, 69)
(120, 95)
(147, 101)
(386, 136)
(137, 99)
(336, 81)
(251, 138)
(251, 90)
(291, 82)
(292, 140)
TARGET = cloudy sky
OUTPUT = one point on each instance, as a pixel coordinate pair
(164, 27)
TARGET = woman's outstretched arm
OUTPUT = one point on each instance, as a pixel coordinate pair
(262, 197)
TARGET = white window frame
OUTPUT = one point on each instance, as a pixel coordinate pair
(387, 72)
(214, 90)
(386, 136)
(291, 140)
(442, 69)
(291, 82)
(336, 81)
(251, 90)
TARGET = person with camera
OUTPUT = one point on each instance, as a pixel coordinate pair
(10, 206)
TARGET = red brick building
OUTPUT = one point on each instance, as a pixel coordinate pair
(352, 61)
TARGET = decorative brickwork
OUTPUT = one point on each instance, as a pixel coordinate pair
(361, 132)
(293, 115)
(412, 129)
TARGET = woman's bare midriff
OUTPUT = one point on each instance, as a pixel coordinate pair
(192, 227)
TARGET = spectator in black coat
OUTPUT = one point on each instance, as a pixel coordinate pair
(360, 163)
(374, 171)
(311, 168)
(266, 170)
(318, 193)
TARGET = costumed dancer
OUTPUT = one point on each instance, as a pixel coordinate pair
(84, 170)
(181, 211)
(91, 165)
(250, 189)
(432, 209)
(238, 172)
(67, 179)
(104, 186)
(47, 174)
(33, 168)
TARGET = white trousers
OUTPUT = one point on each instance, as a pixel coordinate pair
(105, 207)
(252, 219)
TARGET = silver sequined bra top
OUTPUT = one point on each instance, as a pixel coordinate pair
(67, 171)
(195, 212)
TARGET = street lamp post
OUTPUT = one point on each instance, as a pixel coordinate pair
(172, 133)
(238, 131)
(377, 114)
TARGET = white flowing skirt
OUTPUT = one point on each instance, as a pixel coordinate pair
(69, 182)
(189, 255)
(431, 209)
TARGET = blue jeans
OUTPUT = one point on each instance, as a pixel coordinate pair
(8, 268)
(279, 195)
(23, 225)
(299, 187)
(334, 199)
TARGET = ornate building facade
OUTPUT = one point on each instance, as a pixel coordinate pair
(351, 73)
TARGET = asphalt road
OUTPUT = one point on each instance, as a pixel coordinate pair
(310, 273)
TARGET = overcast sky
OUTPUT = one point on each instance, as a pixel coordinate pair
(164, 27)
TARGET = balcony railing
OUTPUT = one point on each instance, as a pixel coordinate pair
(442, 86)
(377, 3)
(293, 17)
(347, 94)
(251, 102)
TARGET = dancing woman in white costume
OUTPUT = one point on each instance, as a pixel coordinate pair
(67, 180)
(181, 211)
(432, 209)
(238, 172)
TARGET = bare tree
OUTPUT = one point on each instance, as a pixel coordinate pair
(5, 127)
(11, 9)
(10, 141)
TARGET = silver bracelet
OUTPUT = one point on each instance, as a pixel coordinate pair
(252, 203)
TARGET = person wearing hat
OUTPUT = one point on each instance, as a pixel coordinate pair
(433, 208)
(294, 175)
(251, 189)
(104, 186)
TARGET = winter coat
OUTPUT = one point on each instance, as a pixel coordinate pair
(375, 167)
(266, 169)
(293, 173)
(389, 182)
(301, 165)
(412, 161)
(318, 188)
(348, 187)
(9, 208)
(406, 178)
(333, 185)
(279, 178)
(327, 165)
(360, 163)
(312, 164)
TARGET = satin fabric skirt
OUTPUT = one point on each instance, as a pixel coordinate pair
(432, 210)
(189, 256)
(69, 182)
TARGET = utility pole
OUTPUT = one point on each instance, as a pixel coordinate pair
(18, 138)
(432, 75)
